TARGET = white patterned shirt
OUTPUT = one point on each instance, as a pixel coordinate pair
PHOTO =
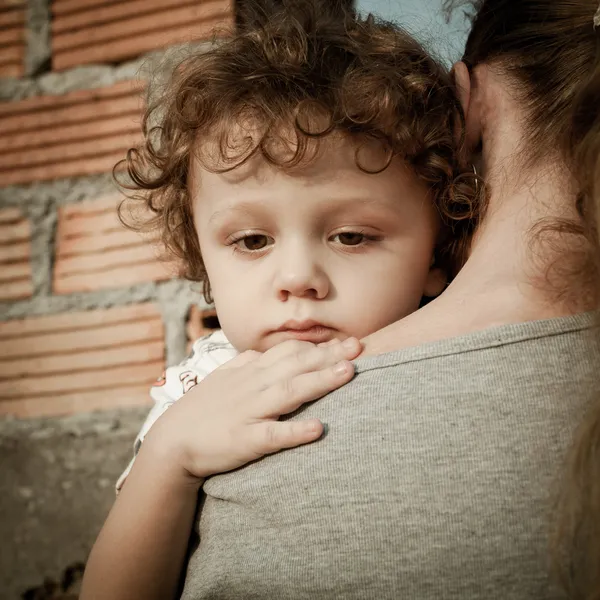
(208, 353)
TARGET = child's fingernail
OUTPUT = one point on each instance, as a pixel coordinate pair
(313, 426)
(350, 343)
(341, 368)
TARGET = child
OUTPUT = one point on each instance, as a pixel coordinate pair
(308, 174)
(302, 180)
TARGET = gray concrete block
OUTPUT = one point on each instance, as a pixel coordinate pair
(56, 489)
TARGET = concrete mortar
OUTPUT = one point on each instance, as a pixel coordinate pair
(38, 51)
(57, 485)
(153, 66)
(60, 191)
(42, 216)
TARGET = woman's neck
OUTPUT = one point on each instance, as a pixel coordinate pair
(516, 271)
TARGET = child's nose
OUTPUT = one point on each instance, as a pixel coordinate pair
(302, 278)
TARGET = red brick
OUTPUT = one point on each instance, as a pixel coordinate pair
(16, 290)
(106, 13)
(68, 151)
(75, 168)
(12, 70)
(89, 33)
(89, 216)
(62, 7)
(95, 223)
(42, 385)
(81, 340)
(15, 271)
(12, 39)
(91, 245)
(88, 207)
(122, 125)
(12, 36)
(93, 359)
(89, 319)
(12, 18)
(15, 251)
(58, 116)
(133, 45)
(10, 215)
(15, 232)
(80, 361)
(106, 261)
(8, 6)
(13, 53)
(95, 251)
(39, 103)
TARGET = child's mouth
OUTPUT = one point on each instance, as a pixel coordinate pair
(307, 331)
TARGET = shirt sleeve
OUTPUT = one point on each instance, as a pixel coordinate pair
(208, 353)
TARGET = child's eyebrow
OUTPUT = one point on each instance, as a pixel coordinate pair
(338, 203)
(372, 204)
(241, 209)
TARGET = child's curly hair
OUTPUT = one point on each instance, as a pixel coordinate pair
(369, 78)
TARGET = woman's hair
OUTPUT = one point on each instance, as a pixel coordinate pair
(305, 73)
(550, 52)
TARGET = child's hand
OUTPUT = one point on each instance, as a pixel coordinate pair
(231, 417)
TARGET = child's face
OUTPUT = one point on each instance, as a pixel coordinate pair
(325, 251)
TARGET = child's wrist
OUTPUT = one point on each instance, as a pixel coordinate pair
(168, 460)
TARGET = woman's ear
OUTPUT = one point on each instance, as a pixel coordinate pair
(465, 89)
(462, 79)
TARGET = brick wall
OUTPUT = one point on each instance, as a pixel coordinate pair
(90, 314)
(64, 256)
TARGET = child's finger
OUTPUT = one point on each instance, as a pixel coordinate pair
(288, 395)
(329, 343)
(240, 360)
(272, 436)
(304, 358)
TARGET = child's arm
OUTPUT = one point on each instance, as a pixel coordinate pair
(227, 420)
(140, 551)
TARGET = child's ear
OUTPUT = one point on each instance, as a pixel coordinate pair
(436, 282)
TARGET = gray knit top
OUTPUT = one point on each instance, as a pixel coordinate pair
(433, 481)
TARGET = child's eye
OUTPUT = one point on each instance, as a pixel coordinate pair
(253, 243)
(353, 238)
(350, 238)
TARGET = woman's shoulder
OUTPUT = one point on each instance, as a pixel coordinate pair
(513, 343)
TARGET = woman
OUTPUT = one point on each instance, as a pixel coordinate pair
(436, 477)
